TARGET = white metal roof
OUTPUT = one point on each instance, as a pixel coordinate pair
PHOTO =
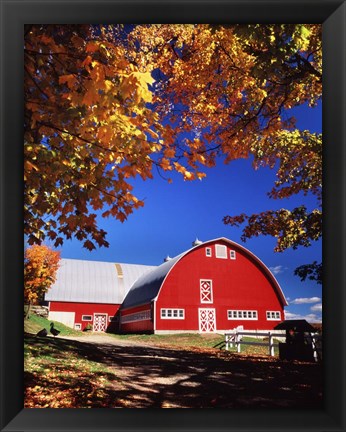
(94, 281)
(148, 285)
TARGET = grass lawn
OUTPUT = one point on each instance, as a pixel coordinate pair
(182, 340)
(196, 341)
(59, 374)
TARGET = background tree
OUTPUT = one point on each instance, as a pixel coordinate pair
(104, 104)
(41, 264)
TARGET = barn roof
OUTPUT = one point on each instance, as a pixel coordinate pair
(94, 281)
(147, 287)
(296, 325)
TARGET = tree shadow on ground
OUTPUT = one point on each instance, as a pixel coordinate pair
(150, 377)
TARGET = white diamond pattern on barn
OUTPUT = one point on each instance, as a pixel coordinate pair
(206, 291)
(100, 322)
(207, 320)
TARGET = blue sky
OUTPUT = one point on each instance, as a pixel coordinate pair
(175, 214)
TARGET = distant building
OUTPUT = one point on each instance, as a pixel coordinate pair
(213, 287)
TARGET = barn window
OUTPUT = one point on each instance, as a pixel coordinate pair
(274, 315)
(78, 326)
(221, 251)
(232, 254)
(242, 314)
(208, 252)
(87, 318)
(172, 313)
(206, 291)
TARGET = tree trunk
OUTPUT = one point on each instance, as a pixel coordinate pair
(28, 311)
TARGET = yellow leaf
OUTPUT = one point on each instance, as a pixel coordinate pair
(108, 85)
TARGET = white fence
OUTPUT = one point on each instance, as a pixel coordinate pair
(235, 337)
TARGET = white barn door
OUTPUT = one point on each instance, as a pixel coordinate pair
(66, 318)
(207, 321)
(100, 322)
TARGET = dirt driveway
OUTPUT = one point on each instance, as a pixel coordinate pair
(159, 377)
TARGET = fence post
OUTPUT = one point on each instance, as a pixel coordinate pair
(271, 345)
(237, 342)
(314, 346)
(227, 341)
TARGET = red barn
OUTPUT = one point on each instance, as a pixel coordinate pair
(213, 287)
(91, 292)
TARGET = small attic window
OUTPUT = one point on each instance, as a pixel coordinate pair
(221, 251)
(232, 254)
(208, 252)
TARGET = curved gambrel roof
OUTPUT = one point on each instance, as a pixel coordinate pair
(94, 281)
(147, 287)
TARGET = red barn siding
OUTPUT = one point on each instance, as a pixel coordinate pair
(239, 284)
(85, 309)
(140, 325)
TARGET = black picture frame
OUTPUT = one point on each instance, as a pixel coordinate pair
(16, 13)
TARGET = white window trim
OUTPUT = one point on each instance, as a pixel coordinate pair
(211, 291)
(273, 312)
(232, 255)
(78, 326)
(163, 314)
(241, 318)
(87, 320)
(224, 248)
(208, 252)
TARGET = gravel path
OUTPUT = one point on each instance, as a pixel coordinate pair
(160, 377)
(103, 338)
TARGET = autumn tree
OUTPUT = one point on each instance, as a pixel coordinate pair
(41, 264)
(104, 104)
(86, 133)
(230, 90)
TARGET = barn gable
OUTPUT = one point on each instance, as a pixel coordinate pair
(148, 286)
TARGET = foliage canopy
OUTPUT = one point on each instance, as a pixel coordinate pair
(104, 104)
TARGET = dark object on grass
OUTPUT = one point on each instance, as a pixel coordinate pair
(53, 330)
(42, 333)
(298, 344)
